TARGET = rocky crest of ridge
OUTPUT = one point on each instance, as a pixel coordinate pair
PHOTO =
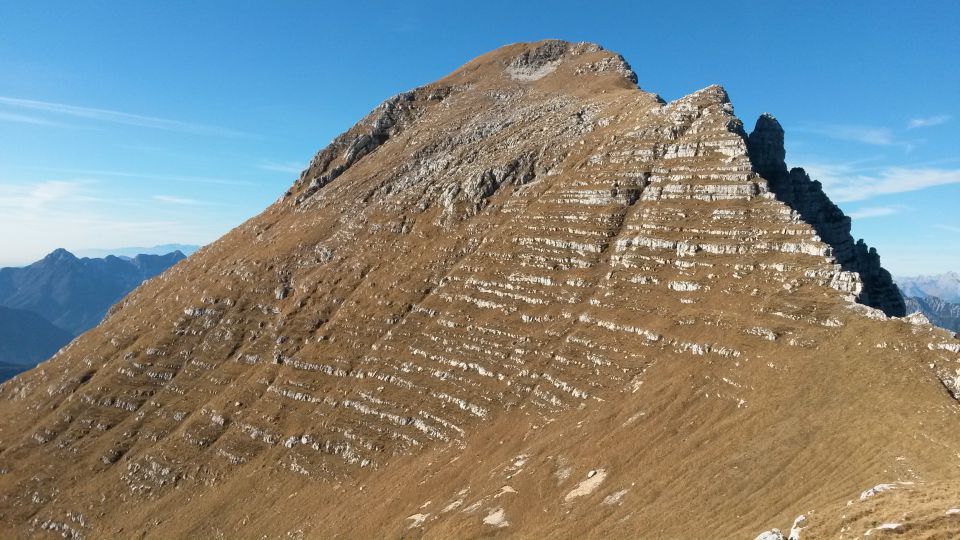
(875, 286)
(529, 298)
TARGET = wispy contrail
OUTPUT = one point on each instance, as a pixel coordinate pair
(118, 117)
(149, 176)
(24, 119)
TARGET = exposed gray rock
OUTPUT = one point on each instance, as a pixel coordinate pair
(388, 118)
(536, 63)
(772, 534)
(807, 198)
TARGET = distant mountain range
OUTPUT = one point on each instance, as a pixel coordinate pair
(130, 252)
(936, 296)
(944, 286)
(46, 304)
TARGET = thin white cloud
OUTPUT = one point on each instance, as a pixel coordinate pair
(150, 176)
(292, 167)
(875, 211)
(170, 199)
(950, 228)
(928, 121)
(37, 217)
(845, 183)
(34, 197)
(879, 136)
(25, 119)
(116, 117)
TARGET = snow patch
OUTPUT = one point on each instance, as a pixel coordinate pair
(587, 486)
(496, 518)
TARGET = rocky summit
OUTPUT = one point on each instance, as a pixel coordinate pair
(529, 299)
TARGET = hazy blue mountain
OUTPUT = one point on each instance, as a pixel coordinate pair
(26, 339)
(943, 286)
(73, 293)
(130, 252)
(46, 304)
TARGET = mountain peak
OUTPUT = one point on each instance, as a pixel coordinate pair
(542, 58)
(74, 293)
(547, 62)
(59, 255)
(481, 267)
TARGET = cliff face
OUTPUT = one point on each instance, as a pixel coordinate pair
(529, 298)
(875, 286)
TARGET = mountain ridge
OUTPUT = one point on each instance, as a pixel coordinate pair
(130, 252)
(74, 293)
(940, 312)
(526, 299)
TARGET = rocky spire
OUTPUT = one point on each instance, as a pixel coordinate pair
(804, 195)
(765, 145)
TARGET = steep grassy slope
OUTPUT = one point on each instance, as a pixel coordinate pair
(528, 299)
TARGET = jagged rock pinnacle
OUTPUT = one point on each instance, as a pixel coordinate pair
(872, 285)
(767, 152)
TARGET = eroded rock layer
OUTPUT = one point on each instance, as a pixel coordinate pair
(526, 299)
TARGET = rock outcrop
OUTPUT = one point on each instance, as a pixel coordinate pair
(805, 196)
(528, 299)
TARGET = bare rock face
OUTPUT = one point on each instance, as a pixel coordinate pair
(538, 62)
(806, 197)
(527, 299)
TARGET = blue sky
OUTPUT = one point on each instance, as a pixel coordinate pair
(136, 123)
